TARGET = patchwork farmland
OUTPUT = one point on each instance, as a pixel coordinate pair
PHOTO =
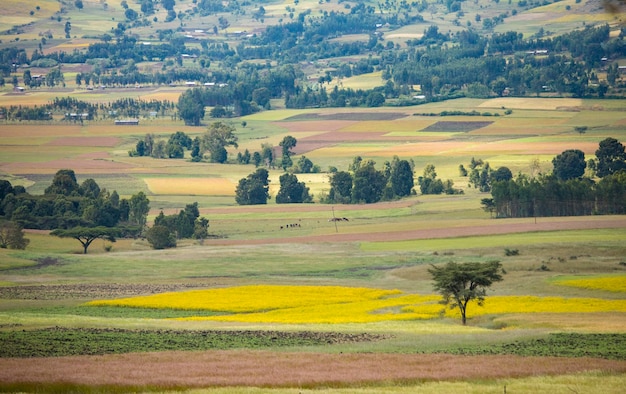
(564, 280)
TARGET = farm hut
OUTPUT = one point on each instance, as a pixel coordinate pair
(127, 122)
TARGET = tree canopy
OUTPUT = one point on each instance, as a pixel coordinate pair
(459, 284)
(611, 157)
(218, 136)
(570, 164)
(253, 189)
(292, 191)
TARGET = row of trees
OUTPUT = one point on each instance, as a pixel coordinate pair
(64, 106)
(566, 191)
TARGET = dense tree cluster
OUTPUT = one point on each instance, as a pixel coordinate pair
(564, 65)
(566, 192)
(430, 184)
(363, 183)
(253, 189)
(66, 204)
(292, 191)
(186, 224)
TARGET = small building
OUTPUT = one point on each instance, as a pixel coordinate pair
(127, 122)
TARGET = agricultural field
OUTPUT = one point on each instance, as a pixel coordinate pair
(280, 299)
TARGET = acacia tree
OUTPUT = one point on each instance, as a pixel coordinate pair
(461, 283)
(86, 235)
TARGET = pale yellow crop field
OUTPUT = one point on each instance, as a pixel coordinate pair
(191, 186)
(363, 81)
(531, 103)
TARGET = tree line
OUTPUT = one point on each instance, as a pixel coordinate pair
(566, 191)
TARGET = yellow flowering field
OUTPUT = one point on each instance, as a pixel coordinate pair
(255, 298)
(342, 305)
(609, 283)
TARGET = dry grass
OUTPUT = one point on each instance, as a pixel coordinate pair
(270, 369)
(531, 103)
(191, 186)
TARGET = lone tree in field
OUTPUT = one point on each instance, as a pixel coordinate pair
(461, 283)
(86, 235)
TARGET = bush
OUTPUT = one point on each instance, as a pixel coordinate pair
(511, 252)
(160, 237)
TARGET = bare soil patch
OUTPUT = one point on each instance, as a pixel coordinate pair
(90, 291)
(273, 369)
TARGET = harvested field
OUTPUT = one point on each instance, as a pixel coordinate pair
(326, 125)
(92, 163)
(498, 227)
(108, 142)
(355, 116)
(191, 186)
(452, 126)
(273, 369)
(531, 102)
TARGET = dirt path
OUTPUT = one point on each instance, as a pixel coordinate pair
(271, 369)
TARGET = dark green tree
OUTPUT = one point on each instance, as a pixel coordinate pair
(341, 187)
(89, 188)
(429, 183)
(401, 178)
(139, 206)
(257, 159)
(160, 237)
(292, 191)
(610, 157)
(86, 235)
(191, 107)
(570, 164)
(459, 284)
(368, 184)
(304, 165)
(64, 182)
(501, 174)
(253, 189)
(287, 144)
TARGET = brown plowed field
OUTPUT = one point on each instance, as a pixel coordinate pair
(272, 369)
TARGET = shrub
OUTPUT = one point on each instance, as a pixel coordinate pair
(511, 252)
